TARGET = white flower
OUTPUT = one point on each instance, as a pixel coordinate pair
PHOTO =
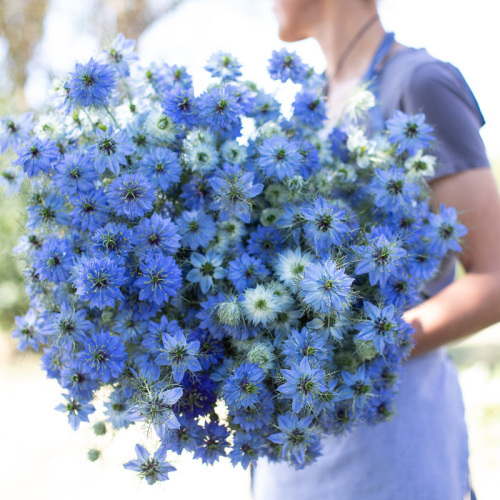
(262, 353)
(160, 128)
(269, 216)
(420, 165)
(359, 102)
(276, 194)
(199, 136)
(285, 321)
(202, 157)
(229, 312)
(229, 233)
(233, 153)
(291, 266)
(360, 147)
(261, 306)
(335, 325)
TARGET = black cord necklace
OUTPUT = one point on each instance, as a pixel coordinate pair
(350, 46)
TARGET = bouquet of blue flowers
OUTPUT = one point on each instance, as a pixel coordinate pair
(231, 278)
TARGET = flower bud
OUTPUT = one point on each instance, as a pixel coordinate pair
(93, 454)
(229, 313)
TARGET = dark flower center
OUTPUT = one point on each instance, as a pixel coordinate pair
(411, 129)
(280, 154)
(107, 146)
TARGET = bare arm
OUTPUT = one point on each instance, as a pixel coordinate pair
(472, 302)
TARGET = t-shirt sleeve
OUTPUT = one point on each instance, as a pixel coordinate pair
(439, 90)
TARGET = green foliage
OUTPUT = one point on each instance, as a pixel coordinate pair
(13, 300)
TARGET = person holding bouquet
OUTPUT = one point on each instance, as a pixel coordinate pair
(422, 451)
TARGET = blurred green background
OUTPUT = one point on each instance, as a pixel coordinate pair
(40, 38)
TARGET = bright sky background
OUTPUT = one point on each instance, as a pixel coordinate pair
(463, 32)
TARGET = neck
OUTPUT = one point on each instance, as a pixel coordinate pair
(343, 20)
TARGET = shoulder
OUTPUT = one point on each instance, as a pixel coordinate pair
(419, 82)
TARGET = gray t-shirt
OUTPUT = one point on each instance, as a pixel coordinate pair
(415, 82)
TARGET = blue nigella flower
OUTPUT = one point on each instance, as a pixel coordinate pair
(28, 330)
(246, 271)
(402, 291)
(90, 210)
(310, 159)
(199, 396)
(75, 173)
(423, 262)
(379, 327)
(152, 469)
(104, 355)
(206, 269)
(410, 132)
(295, 436)
(233, 190)
(146, 367)
(78, 411)
(68, 324)
(356, 385)
(120, 55)
(285, 65)
(445, 230)
(117, 409)
(47, 212)
(325, 287)
(181, 105)
(257, 416)
(265, 108)
(196, 194)
(156, 235)
(55, 260)
(91, 84)
(186, 437)
(153, 340)
(99, 281)
(131, 195)
(15, 131)
(303, 384)
(279, 157)
(214, 442)
(391, 189)
(128, 327)
(155, 409)
(224, 66)
(197, 229)
(180, 354)
(243, 389)
(379, 258)
(162, 167)
(211, 350)
(53, 360)
(305, 344)
(160, 279)
(11, 178)
(338, 144)
(113, 241)
(219, 109)
(264, 243)
(110, 150)
(247, 448)
(324, 224)
(78, 380)
(37, 156)
(310, 109)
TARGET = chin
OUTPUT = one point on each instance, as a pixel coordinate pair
(287, 35)
(294, 17)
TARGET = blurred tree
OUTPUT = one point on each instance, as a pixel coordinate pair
(21, 24)
(134, 16)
